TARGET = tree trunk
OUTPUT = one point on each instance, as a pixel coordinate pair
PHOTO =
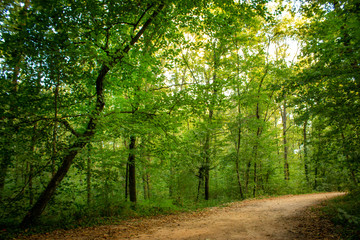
(68, 159)
(46, 195)
(171, 177)
(31, 167)
(88, 176)
(255, 180)
(286, 163)
(127, 181)
(206, 167)
(200, 176)
(237, 145)
(238, 178)
(84, 138)
(247, 176)
(237, 160)
(54, 143)
(146, 181)
(132, 170)
(306, 168)
(6, 159)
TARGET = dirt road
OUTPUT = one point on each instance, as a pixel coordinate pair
(286, 217)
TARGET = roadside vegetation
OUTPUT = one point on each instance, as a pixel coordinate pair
(115, 109)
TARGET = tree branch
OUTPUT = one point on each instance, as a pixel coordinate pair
(138, 35)
(68, 127)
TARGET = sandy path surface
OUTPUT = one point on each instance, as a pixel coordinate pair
(283, 217)
(256, 219)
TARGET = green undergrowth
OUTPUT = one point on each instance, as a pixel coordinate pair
(77, 215)
(345, 214)
(82, 216)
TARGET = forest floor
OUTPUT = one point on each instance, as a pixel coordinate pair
(286, 217)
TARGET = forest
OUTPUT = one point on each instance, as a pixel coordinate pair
(111, 108)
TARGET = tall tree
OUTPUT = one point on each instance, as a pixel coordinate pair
(81, 139)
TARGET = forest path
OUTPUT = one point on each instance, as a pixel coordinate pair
(286, 217)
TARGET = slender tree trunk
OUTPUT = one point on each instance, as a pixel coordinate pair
(146, 185)
(286, 163)
(147, 178)
(88, 176)
(146, 181)
(316, 175)
(247, 176)
(255, 180)
(127, 181)
(238, 178)
(132, 170)
(216, 60)
(317, 160)
(200, 176)
(306, 168)
(54, 150)
(255, 177)
(207, 161)
(259, 129)
(171, 177)
(237, 145)
(31, 167)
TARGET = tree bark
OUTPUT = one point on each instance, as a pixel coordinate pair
(247, 176)
(286, 163)
(206, 167)
(237, 160)
(132, 170)
(54, 143)
(127, 181)
(306, 168)
(88, 176)
(239, 127)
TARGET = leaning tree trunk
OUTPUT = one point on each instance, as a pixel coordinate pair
(73, 150)
(84, 138)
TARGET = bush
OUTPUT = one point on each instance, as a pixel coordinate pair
(345, 212)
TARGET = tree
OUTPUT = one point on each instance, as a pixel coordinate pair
(114, 53)
(328, 85)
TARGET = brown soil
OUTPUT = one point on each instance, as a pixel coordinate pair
(286, 217)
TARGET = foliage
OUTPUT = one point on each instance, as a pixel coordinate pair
(173, 105)
(345, 212)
